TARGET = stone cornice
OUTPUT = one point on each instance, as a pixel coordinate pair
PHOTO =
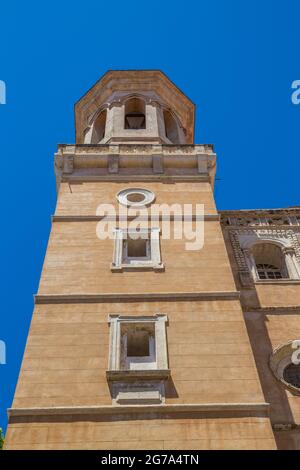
(78, 163)
(95, 218)
(134, 297)
(289, 310)
(261, 227)
(260, 212)
(205, 408)
(261, 218)
(283, 427)
(134, 148)
(133, 178)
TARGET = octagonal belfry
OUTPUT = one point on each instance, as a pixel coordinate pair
(136, 107)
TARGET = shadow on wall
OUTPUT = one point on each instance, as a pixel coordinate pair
(274, 392)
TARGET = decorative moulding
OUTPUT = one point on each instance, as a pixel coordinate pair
(134, 297)
(143, 197)
(244, 408)
(279, 360)
(163, 374)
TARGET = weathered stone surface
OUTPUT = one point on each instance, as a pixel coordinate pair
(210, 358)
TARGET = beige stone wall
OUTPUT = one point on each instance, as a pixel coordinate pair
(181, 431)
(84, 198)
(280, 295)
(67, 354)
(267, 332)
(210, 359)
(77, 262)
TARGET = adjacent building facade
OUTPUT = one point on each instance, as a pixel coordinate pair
(139, 342)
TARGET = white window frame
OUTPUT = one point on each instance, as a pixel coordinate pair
(115, 343)
(120, 259)
(143, 385)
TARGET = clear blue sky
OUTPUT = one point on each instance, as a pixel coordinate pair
(236, 59)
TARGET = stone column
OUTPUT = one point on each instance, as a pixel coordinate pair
(291, 262)
(249, 258)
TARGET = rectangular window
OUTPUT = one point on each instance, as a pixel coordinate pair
(138, 361)
(138, 343)
(137, 250)
(138, 346)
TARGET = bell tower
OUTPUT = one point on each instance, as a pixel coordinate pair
(136, 342)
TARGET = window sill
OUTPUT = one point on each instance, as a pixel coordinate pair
(137, 267)
(277, 281)
(161, 374)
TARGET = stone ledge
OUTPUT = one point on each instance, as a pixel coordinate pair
(284, 426)
(134, 297)
(137, 267)
(96, 218)
(127, 147)
(114, 375)
(133, 177)
(260, 227)
(280, 282)
(122, 163)
(275, 310)
(118, 409)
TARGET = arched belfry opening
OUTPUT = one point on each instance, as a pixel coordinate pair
(171, 127)
(99, 128)
(135, 114)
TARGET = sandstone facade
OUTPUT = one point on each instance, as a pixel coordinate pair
(215, 390)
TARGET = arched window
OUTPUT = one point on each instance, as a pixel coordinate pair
(269, 261)
(268, 271)
(284, 365)
(135, 117)
(99, 128)
(171, 128)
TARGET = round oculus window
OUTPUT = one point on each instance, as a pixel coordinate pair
(291, 375)
(283, 366)
(135, 197)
